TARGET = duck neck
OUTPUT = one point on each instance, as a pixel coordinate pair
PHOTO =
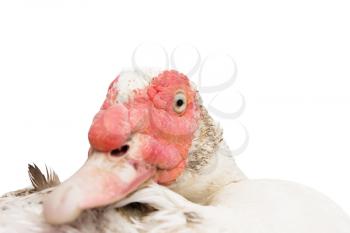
(201, 185)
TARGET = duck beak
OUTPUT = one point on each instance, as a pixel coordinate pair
(115, 167)
(102, 180)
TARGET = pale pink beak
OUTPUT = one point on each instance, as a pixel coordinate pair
(101, 181)
(115, 168)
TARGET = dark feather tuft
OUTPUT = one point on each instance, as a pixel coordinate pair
(39, 180)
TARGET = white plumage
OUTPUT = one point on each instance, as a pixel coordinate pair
(247, 206)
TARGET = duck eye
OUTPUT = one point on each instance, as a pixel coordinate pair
(179, 102)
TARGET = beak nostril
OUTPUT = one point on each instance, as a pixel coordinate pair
(124, 148)
(120, 151)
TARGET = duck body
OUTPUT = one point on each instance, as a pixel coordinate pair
(232, 203)
(251, 206)
(275, 206)
(242, 205)
(255, 206)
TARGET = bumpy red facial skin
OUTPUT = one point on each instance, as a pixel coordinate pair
(165, 124)
(111, 95)
(150, 112)
(111, 126)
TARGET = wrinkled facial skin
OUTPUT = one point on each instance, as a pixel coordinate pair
(145, 136)
(150, 112)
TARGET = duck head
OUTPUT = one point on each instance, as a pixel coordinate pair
(143, 131)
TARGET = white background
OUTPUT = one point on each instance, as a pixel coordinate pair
(57, 59)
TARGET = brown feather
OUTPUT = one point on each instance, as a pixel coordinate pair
(39, 180)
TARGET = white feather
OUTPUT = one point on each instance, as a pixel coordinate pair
(130, 81)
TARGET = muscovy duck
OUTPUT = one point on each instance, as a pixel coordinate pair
(158, 163)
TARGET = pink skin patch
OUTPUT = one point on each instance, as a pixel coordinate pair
(162, 155)
(111, 95)
(110, 128)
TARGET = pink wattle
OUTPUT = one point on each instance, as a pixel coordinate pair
(110, 128)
